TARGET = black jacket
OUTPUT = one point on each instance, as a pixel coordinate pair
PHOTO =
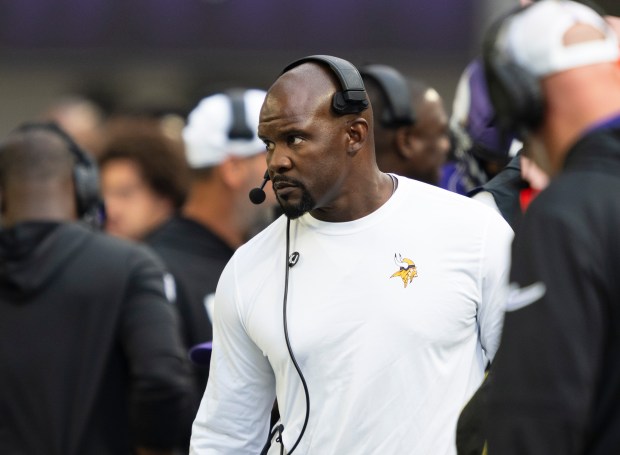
(90, 355)
(505, 188)
(195, 257)
(556, 376)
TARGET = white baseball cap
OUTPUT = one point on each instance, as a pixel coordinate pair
(210, 136)
(534, 38)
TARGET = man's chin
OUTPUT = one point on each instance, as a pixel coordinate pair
(292, 212)
(294, 207)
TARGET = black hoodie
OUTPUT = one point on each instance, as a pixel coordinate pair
(90, 355)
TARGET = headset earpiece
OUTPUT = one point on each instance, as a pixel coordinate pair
(396, 91)
(352, 99)
(514, 92)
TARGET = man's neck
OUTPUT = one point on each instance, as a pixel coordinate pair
(576, 104)
(212, 209)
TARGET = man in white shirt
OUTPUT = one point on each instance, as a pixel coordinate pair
(369, 309)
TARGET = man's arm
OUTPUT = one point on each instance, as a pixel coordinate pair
(494, 270)
(233, 418)
(160, 384)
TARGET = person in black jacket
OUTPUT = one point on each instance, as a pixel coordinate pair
(90, 354)
(553, 76)
(227, 159)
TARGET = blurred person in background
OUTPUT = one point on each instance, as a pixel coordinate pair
(514, 186)
(509, 192)
(144, 176)
(480, 149)
(82, 118)
(553, 76)
(227, 160)
(411, 124)
(91, 358)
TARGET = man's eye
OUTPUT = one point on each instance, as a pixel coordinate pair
(270, 146)
(295, 140)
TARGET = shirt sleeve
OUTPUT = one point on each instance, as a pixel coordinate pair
(234, 413)
(160, 383)
(548, 362)
(495, 268)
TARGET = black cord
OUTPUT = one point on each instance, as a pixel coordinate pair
(288, 343)
(277, 429)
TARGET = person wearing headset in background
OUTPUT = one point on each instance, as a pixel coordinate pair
(370, 308)
(510, 192)
(411, 125)
(511, 189)
(226, 160)
(92, 361)
(554, 77)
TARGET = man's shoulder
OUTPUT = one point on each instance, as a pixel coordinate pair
(572, 191)
(577, 202)
(440, 203)
(264, 243)
(105, 249)
(181, 238)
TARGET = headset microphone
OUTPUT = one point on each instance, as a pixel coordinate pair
(257, 195)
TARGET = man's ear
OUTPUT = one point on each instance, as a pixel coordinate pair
(357, 134)
(406, 142)
(233, 171)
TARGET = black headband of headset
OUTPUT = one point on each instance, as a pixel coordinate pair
(515, 94)
(352, 99)
(396, 91)
(80, 155)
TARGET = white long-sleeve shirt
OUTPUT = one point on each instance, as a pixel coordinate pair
(388, 366)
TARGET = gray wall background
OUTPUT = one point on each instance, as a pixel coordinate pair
(166, 54)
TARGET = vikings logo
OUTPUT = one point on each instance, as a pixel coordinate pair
(408, 270)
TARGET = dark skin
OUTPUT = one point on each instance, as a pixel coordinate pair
(38, 199)
(418, 151)
(427, 145)
(318, 161)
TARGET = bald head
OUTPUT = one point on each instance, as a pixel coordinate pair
(34, 155)
(311, 86)
(36, 177)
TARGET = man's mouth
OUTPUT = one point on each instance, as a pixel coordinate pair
(284, 188)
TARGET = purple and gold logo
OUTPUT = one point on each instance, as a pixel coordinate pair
(407, 269)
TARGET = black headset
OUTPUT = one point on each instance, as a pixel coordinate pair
(239, 128)
(398, 111)
(515, 93)
(352, 99)
(85, 173)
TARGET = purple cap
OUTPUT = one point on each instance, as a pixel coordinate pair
(475, 116)
(200, 354)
